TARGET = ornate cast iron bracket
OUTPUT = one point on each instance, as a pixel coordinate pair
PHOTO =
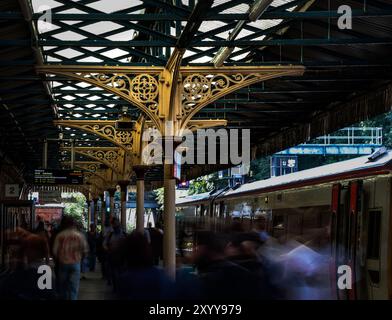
(111, 157)
(151, 89)
(91, 168)
(103, 128)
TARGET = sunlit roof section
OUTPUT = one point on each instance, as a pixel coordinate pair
(107, 36)
(245, 30)
(114, 6)
(133, 32)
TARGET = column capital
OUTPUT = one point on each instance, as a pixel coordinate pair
(112, 191)
(140, 171)
(123, 184)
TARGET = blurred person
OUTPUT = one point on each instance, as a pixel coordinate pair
(43, 233)
(15, 249)
(103, 250)
(70, 247)
(49, 229)
(188, 285)
(100, 253)
(147, 234)
(261, 228)
(22, 284)
(84, 261)
(92, 239)
(182, 235)
(139, 278)
(219, 277)
(40, 230)
(236, 225)
(156, 243)
(306, 271)
(110, 245)
(159, 227)
(299, 271)
(242, 250)
(56, 231)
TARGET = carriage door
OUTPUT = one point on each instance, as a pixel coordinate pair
(335, 258)
(346, 224)
(355, 247)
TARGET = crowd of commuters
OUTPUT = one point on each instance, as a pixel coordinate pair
(222, 265)
(232, 264)
(28, 251)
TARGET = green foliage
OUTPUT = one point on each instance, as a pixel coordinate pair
(130, 226)
(217, 182)
(159, 193)
(260, 169)
(76, 209)
(201, 185)
(384, 121)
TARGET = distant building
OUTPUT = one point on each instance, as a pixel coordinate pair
(49, 213)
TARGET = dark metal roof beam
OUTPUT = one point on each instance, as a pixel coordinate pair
(206, 43)
(272, 15)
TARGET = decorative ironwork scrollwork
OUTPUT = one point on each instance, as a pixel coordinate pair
(113, 158)
(199, 88)
(142, 88)
(93, 167)
(124, 138)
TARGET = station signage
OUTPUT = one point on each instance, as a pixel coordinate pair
(12, 190)
(56, 177)
(177, 166)
(184, 185)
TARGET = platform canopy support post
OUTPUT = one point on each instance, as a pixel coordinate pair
(140, 171)
(123, 218)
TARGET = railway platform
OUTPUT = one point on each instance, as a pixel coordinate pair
(140, 134)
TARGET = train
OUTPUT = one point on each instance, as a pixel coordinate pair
(342, 210)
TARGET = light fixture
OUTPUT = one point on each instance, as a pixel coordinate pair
(258, 8)
(125, 122)
(221, 56)
(124, 110)
(254, 12)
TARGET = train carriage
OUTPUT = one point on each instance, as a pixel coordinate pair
(342, 210)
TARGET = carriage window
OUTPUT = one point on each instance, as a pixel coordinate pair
(278, 222)
(374, 230)
(278, 225)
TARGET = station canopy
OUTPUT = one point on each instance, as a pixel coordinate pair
(347, 77)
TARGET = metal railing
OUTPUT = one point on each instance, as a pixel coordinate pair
(351, 136)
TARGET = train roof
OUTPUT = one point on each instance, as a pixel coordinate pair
(197, 197)
(353, 168)
(50, 205)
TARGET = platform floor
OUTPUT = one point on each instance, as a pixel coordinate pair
(93, 287)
